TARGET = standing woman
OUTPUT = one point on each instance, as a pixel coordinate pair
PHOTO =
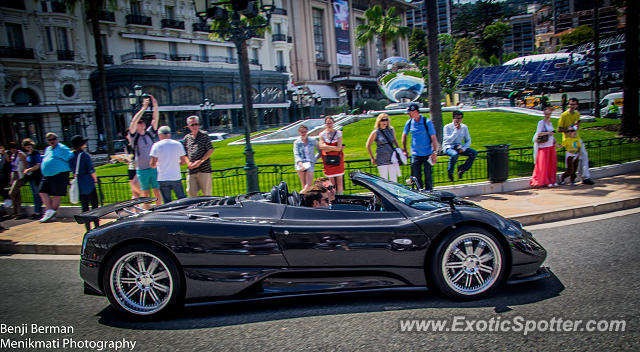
(18, 165)
(33, 175)
(304, 155)
(86, 175)
(546, 161)
(330, 142)
(386, 142)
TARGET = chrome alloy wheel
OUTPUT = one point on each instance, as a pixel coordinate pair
(141, 283)
(471, 264)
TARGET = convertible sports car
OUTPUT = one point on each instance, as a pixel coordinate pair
(263, 244)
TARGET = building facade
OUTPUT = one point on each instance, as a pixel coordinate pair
(521, 38)
(325, 61)
(418, 17)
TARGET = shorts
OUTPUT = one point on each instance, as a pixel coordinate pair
(148, 179)
(55, 185)
(131, 174)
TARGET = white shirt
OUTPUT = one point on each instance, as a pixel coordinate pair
(544, 127)
(453, 136)
(168, 153)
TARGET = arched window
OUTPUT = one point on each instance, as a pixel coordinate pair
(119, 98)
(220, 95)
(254, 95)
(187, 96)
(271, 95)
(161, 94)
(25, 96)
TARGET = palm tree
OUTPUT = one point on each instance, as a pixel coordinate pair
(387, 27)
(93, 8)
(434, 71)
(629, 124)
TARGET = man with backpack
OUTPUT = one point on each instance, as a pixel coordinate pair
(424, 145)
(142, 139)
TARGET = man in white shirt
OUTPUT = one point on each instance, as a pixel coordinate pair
(453, 135)
(167, 155)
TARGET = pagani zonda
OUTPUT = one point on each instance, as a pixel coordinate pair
(257, 245)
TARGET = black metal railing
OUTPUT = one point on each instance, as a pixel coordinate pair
(66, 55)
(201, 27)
(280, 68)
(108, 59)
(278, 11)
(170, 23)
(144, 56)
(279, 38)
(107, 16)
(15, 52)
(139, 20)
(231, 181)
(254, 62)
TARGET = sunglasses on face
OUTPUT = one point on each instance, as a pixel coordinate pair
(384, 120)
(331, 188)
(51, 139)
(194, 124)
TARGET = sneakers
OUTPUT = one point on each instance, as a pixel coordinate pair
(48, 215)
(561, 181)
(460, 173)
(8, 203)
(450, 177)
(587, 181)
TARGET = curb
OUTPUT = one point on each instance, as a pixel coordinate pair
(40, 248)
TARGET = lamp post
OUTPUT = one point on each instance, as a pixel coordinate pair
(205, 111)
(231, 27)
(84, 120)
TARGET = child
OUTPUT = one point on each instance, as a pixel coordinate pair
(572, 146)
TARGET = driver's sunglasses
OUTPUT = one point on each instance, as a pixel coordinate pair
(331, 188)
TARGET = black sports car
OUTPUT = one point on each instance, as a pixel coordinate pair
(263, 244)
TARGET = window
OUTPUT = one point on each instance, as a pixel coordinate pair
(135, 8)
(362, 51)
(379, 50)
(62, 39)
(14, 35)
(323, 75)
(203, 52)
(318, 34)
(170, 13)
(280, 57)
(47, 31)
(230, 55)
(103, 41)
(139, 44)
(278, 28)
(173, 50)
(255, 56)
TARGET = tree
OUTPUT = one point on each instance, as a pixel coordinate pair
(579, 35)
(434, 75)
(493, 40)
(474, 18)
(630, 118)
(93, 9)
(418, 51)
(462, 53)
(387, 27)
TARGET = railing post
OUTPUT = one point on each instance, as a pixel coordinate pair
(100, 195)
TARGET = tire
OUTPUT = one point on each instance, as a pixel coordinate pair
(469, 263)
(141, 281)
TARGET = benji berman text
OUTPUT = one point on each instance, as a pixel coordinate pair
(23, 329)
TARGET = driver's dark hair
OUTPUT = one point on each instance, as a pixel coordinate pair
(315, 193)
(574, 99)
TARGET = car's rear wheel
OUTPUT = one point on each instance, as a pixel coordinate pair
(142, 281)
(468, 263)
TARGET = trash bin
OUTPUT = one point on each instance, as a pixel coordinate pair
(498, 162)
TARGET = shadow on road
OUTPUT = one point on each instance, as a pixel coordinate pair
(236, 313)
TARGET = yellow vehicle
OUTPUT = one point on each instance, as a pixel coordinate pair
(530, 100)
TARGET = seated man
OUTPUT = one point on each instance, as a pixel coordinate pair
(326, 183)
(454, 133)
(316, 197)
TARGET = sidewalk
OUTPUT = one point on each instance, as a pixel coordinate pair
(529, 206)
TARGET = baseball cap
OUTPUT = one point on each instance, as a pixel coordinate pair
(413, 107)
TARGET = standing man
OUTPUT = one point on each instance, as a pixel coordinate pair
(142, 138)
(453, 135)
(569, 118)
(167, 155)
(199, 150)
(424, 145)
(55, 172)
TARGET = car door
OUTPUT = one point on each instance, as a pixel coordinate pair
(318, 237)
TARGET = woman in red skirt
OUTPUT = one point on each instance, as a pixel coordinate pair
(546, 160)
(330, 143)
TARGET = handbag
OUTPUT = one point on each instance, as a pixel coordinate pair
(543, 138)
(74, 190)
(397, 152)
(332, 159)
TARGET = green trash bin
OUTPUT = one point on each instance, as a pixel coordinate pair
(498, 162)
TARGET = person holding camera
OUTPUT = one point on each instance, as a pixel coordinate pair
(453, 136)
(546, 161)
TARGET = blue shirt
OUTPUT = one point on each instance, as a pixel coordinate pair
(34, 158)
(56, 160)
(420, 137)
(85, 169)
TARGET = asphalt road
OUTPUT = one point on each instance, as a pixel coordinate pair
(596, 278)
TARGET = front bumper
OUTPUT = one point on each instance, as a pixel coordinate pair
(542, 273)
(90, 273)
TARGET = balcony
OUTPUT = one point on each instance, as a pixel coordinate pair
(108, 59)
(279, 38)
(201, 27)
(15, 52)
(107, 16)
(65, 55)
(139, 20)
(279, 11)
(173, 24)
(254, 62)
(144, 56)
(186, 57)
(281, 68)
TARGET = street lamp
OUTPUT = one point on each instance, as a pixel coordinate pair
(206, 108)
(136, 96)
(230, 27)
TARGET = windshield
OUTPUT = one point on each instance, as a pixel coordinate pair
(406, 195)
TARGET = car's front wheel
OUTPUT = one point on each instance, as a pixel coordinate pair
(468, 263)
(141, 280)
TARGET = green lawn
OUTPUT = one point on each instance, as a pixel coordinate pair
(485, 127)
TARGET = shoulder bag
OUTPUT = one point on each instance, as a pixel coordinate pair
(332, 159)
(396, 150)
(543, 138)
(74, 190)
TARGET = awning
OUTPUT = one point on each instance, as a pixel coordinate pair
(326, 92)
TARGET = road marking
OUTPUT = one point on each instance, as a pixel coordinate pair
(582, 220)
(40, 256)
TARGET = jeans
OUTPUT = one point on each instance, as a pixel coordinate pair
(416, 171)
(167, 186)
(453, 159)
(37, 202)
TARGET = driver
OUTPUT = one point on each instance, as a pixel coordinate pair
(326, 183)
(316, 197)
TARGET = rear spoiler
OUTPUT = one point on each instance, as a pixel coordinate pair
(95, 214)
